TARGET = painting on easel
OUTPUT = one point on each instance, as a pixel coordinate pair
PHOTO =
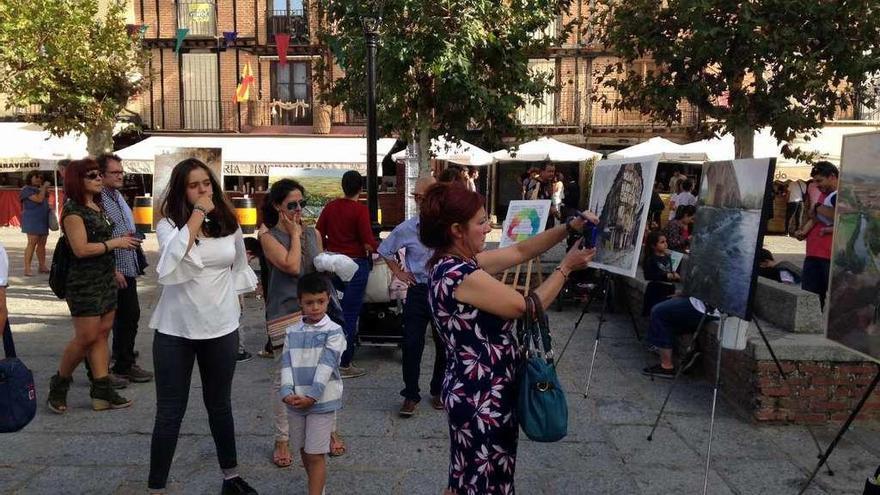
(524, 220)
(620, 195)
(853, 306)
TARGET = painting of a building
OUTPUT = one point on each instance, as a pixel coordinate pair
(620, 195)
(620, 213)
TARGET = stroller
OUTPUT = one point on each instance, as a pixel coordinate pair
(381, 318)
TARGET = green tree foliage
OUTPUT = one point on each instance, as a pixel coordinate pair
(443, 68)
(783, 64)
(73, 59)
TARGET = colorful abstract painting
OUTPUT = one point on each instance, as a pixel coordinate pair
(524, 220)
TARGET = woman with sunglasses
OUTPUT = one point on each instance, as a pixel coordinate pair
(202, 269)
(91, 287)
(290, 250)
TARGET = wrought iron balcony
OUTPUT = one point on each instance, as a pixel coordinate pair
(294, 22)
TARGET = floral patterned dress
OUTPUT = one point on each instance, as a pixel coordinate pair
(479, 389)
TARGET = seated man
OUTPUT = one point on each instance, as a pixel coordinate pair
(669, 319)
(780, 271)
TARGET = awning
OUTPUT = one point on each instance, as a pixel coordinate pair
(254, 156)
(546, 149)
(462, 153)
(27, 146)
(666, 149)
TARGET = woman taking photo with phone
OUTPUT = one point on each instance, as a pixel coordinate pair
(202, 269)
(475, 314)
(90, 287)
(35, 220)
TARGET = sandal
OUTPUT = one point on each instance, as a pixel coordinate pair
(337, 446)
(281, 459)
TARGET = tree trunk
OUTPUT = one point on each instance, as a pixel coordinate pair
(424, 147)
(100, 140)
(743, 142)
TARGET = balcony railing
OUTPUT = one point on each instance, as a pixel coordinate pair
(189, 115)
(294, 22)
(859, 113)
(274, 112)
(199, 16)
(597, 116)
(19, 113)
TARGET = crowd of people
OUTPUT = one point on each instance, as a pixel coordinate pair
(203, 269)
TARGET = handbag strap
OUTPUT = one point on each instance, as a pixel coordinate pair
(542, 327)
(8, 345)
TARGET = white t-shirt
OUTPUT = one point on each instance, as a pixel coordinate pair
(683, 198)
(796, 190)
(4, 267)
(199, 289)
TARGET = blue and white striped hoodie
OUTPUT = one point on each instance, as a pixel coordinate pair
(310, 364)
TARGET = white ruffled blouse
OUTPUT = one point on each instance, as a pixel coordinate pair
(200, 288)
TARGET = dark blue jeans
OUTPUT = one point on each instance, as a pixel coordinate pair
(416, 317)
(173, 359)
(670, 318)
(352, 303)
(815, 277)
(125, 326)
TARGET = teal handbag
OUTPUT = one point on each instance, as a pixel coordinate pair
(541, 405)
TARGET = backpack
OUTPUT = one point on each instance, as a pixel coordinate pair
(18, 397)
(61, 258)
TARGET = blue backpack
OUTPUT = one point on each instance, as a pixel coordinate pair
(18, 398)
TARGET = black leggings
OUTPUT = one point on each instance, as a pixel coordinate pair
(173, 359)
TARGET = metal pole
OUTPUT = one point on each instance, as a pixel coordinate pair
(721, 323)
(372, 37)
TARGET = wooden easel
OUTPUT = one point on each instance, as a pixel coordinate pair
(533, 265)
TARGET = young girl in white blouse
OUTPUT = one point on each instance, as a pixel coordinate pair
(202, 269)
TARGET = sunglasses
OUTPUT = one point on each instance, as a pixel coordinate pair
(94, 175)
(296, 205)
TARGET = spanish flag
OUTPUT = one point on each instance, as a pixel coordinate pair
(243, 91)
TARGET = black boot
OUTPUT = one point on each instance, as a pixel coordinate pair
(58, 387)
(105, 397)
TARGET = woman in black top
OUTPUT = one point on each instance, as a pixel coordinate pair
(90, 288)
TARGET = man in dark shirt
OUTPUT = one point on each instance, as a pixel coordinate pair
(344, 227)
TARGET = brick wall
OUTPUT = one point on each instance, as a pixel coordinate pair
(814, 393)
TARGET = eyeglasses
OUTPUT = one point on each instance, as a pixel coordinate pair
(296, 205)
(115, 172)
(94, 175)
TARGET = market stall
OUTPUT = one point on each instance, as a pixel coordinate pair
(510, 164)
(248, 160)
(25, 147)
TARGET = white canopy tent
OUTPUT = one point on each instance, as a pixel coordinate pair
(27, 146)
(544, 149)
(254, 156)
(666, 149)
(461, 153)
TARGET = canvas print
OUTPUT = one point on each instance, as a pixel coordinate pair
(165, 161)
(620, 196)
(728, 233)
(525, 219)
(854, 292)
(322, 185)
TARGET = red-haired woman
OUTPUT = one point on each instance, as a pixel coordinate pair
(91, 287)
(475, 314)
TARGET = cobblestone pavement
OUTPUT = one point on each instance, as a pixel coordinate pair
(605, 452)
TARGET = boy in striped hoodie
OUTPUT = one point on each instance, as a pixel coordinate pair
(310, 382)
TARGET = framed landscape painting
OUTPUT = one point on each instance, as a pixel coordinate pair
(733, 203)
(853, 306)
(620, 196)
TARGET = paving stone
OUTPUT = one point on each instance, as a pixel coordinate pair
(605, 451)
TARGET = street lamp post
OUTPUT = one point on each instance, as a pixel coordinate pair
(371, 34)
